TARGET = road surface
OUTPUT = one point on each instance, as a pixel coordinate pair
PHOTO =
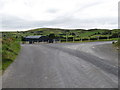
(66, 65)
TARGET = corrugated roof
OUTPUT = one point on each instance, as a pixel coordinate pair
(33, 36)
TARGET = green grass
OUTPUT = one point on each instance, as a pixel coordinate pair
(117, 44)
(80, 33)
(10, 50)
(0, 55)
(90, 40)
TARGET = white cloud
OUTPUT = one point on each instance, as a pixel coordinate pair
(58, 13)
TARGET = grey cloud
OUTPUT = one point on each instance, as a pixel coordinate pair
(86, 6)
(52, 10)
(11, 22)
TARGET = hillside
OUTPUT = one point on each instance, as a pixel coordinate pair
(77, 34)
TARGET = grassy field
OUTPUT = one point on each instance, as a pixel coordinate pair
(77, 34)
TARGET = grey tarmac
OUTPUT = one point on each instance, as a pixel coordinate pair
(56, 66)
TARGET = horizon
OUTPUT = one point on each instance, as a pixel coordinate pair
(59, 28)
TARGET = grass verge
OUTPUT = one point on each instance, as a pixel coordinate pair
(90, 40)
(10, 50)
(117, 44)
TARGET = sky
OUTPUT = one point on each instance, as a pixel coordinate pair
(19, 15)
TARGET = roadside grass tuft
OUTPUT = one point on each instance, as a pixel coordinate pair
(10, 50)
(117, 44)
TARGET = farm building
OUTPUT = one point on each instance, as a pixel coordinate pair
(33, 39)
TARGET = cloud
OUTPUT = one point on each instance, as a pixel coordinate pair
(52, 10)
(27, 14)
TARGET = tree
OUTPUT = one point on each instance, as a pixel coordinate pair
(106, 32)
(98, 33)
(51, 36)
(115, 35)
(72, 34)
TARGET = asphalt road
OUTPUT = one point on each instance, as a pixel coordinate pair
(56, 66)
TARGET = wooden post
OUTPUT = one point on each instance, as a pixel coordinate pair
(89, 38)
(107, 37)
(66, 37)
(59, 41)
(81, 39)
(73, 39)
